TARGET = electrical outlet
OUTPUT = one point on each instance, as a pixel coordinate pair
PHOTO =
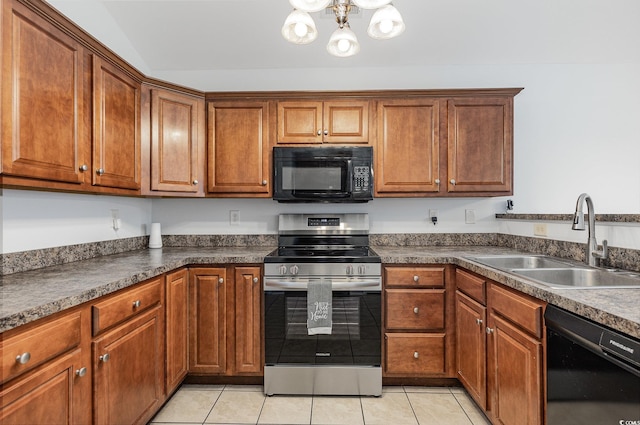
(234, 217)
(433, 216)
(540, 229)
(470, 216)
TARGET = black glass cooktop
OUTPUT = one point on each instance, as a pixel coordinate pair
(328, 255)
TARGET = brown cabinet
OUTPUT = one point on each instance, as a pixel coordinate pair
(500, 350)
(46, 371)
(174, 148)
(225, 332)
(239, 149)
(417, 322)
(445, 145)
(316, 122)
(43, 118)
(116, 127)
(177, 328)
(128, 354)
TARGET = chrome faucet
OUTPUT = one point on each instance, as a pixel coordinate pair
(593, 254)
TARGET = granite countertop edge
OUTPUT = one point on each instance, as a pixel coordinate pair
(65, 286)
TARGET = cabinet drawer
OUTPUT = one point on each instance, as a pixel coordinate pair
(519, 309)
(414, 309)
(39, 344)
(415, 354)
(414, 276)
(472, 285)
(125, 305)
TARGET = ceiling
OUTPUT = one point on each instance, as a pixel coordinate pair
(201, 35)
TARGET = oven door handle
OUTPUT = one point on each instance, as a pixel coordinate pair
(275, 284)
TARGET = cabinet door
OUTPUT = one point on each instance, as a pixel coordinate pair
(238, 148)
(480, 145)
(116, 127)
(57, 393)
(177, 328)
(300, 122)
(128, 371)
(248, 320)
(515, 381)
(42, 98)
(346, 122)
(471, 343)
(407, 152)
(177, 144)
(208, 321)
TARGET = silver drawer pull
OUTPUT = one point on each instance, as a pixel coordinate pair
(416, 278)
(104, 358)
(415, 310)
(489, 330)
(81, 372)
(136, 304)
(100, 171)
(23, 358)
(255, 280)
(478, 321)
(221, 280)
(415, 355)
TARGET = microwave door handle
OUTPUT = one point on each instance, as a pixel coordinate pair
(304, 194)
(351, 176)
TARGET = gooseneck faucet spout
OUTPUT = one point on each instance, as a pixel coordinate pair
(593, 254)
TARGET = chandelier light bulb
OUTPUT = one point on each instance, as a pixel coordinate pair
(385, 26)
(343, 43)
(300, 29)
(385, 23)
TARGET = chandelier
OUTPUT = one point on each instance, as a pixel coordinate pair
(299, 27)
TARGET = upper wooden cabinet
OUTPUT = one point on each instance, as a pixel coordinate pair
(480, 145)
(304, 122)
(239, 152)
(174, 148)
(42, 99)
(408, 147)
(116, 127)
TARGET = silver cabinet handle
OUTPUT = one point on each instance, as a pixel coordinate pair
(478, 321)
(437, 181)
(84, 167)
(104, 358)
(415, 355)
(23, 358)
(452, 181)
(195, 182)
(136, 304)
(264, 182)
(416, 278)
(255, 280)
(100, 171)
(221, 280)
(319, 132)
(81, 372)
(489, 330)
(415, 310)
(326, 132)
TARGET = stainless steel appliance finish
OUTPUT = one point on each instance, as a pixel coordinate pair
(593, 373)
(316, 248)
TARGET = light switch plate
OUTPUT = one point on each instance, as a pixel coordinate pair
(540, 229)
(470, 216)
(234, 217)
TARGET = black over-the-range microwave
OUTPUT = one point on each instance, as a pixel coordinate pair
(323, 174)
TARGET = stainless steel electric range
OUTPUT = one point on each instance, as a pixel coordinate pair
(323, 260)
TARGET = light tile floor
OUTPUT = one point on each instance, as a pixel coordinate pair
(241, 404)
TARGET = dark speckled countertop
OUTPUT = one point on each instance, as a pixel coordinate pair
(31, 295)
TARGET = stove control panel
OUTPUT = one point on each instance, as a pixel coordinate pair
(322, 269)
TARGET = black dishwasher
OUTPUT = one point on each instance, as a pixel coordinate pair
(593, 372)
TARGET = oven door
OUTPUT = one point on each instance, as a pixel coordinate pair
(355, 338)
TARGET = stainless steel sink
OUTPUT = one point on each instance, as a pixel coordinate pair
(509, 262)
(581, 278)
(560, 274)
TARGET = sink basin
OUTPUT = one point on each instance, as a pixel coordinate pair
(581, 278)
(509, 262)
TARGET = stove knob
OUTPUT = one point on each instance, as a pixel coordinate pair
(294, 269)
(362, 269)
(349, 269)
(283, 269)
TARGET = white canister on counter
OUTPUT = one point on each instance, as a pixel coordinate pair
(155, 237)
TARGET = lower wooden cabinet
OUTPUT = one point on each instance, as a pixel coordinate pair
(418, 320)
(225, 336)
(177, 328)
(500, 350)
(128, 358)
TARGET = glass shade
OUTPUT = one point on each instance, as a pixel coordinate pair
(343, 43)
(370, 4)
(299, 28)
(310, 5)
(386, 23)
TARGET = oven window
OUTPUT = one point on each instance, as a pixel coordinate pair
(355, 336)
(315, 177)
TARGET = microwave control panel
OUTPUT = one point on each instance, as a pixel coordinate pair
(361, 176)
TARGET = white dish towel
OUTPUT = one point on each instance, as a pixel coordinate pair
(319, 311)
